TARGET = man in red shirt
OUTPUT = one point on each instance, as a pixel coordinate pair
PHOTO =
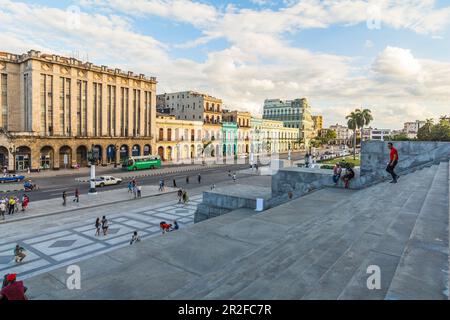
(393, 160)
(13, 290)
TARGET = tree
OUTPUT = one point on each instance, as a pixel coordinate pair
(352, 125)
(399, 137)
(424, 132)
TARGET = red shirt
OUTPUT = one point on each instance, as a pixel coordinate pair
(393, 152)
(14, 291)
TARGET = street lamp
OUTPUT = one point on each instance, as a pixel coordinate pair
(92, 158)
(13, 150)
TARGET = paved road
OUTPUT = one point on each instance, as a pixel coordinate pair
(52, 187)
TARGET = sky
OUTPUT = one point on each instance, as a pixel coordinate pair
(391, 56)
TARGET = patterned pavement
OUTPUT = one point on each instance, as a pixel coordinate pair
(66, 246)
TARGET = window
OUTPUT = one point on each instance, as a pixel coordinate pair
(81, 108)
(4, 97)
(64, 106)
(46, 93)
(97, 118)
(111, 100)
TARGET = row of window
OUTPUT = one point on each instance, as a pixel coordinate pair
(98, 89)
(4, 99)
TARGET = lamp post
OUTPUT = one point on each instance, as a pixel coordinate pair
(92, 158)
(13, 150)
(116, 147)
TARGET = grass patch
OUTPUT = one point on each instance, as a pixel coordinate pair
(348, 159)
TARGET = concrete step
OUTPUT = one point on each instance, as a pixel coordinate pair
(263, 273)
(422, 272)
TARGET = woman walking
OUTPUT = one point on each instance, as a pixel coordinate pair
(97, 226)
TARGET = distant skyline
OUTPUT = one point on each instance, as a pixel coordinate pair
(390, 56)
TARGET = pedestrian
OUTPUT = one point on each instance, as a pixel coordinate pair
(180, 195)
(25, 201)
(19, 254)
(393, 160)
(105, 225)
(234, 177)
(139, 191)
(64, 196)
(349, 175)
(213, 186)
(77, 195)
(174, 183)
(16, 204)
(135, 191)
(97, 226)
(185, 197)
(135, 238)
(2, 209)
(187, 179)
(133, 182)
(175, 226)
(13, 289)
(199, 178)
(130, 187)
(165, 227)
(337, 170)
(160, 184)
(11, 205)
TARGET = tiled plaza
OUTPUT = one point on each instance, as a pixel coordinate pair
(68, 245)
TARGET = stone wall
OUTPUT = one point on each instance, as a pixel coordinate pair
(375, 155)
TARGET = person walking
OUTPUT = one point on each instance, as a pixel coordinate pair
(234, 177)
(105, 225)
(64, 196)
(187, 179)
(77, 195)
(139, 191)
(16, 204)
(11, 205)
(185, 197)
(135, 191)
(130, 187)
(2, 209)
(180, 195)
(393, 160)
(199, 178)
(25, 202)
(160, 184)
(174, 183)
(97, 226)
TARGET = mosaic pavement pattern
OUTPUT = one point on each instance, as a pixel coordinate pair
(69, 245)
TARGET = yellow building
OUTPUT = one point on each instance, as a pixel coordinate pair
(318, 124)
(178, 140)
(271, 136)
(54, 109)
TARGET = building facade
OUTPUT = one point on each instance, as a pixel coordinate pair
(318, 124)
(178, 139)
(294, 114)
(375, 134)
(54, 109)
(270, 136)
(412, 128)
(243, 123)
(343, 134)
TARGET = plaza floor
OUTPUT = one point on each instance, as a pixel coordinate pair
(69, 243)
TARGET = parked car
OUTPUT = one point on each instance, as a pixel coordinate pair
(107, 181)
(11, 178)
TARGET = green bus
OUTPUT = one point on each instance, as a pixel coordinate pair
(141, 163)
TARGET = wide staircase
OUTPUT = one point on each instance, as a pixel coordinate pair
(316, 247)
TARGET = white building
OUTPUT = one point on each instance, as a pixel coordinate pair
(375, 134)
(411, 128)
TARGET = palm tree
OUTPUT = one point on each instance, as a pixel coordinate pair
(357, 120)
(352, 124)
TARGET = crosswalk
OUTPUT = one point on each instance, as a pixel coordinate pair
(68, 245)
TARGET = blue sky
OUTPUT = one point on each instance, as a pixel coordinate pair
(247, 51)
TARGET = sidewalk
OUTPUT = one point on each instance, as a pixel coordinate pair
(54, 206)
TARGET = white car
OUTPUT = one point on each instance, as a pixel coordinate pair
(107, 181)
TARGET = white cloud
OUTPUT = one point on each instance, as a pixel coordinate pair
(259, 62)
(368, 44)
(396, 62)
